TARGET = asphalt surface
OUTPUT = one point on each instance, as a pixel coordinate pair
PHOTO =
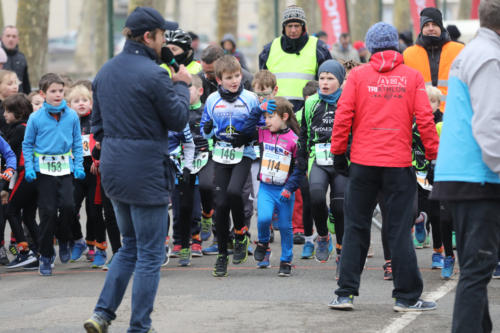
(248, 300)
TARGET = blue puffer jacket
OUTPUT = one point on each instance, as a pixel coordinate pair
(135, 105)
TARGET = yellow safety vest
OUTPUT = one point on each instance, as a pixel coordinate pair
(293, 70)
(193, 68)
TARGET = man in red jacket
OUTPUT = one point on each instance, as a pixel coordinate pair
(378, 104)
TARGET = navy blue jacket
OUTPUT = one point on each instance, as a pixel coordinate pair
(135, 105)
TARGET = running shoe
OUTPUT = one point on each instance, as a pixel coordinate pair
(240, 254)
(108, 264)
(260, 251)
(285, 269)
(32, 267)
(420, 232)
(175, 251)
(22, 259)
(250, 250)
(266, 261)
(13, 249)
(417, 244)
(90, 255)
(211, 250)
(78, 248)
(96, 324)
(64, 253)
(298, 238)
(496, 273)
(45, 266)
(420, 305)
(324, 248)
(448, 268)
(99, 259)
(167, 255)
(387, 270)
(196, 250)
(185, 257)
(4, 260)
(437, 260)
(308, 250)
(206, 228)
(220, 268)
(342, 303)
(427, 243)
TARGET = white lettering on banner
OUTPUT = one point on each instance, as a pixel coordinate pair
(331, 7)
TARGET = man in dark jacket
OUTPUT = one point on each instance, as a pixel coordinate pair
(135, 105)
(294, 57)
(16, 61)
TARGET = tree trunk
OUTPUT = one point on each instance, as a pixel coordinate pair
(313, 15)
(100, 34)
(84, 62)
(33, 42)
(464, 9)
(161, 6)
(362, 15)
(401, 15)
(266, 23)
(227, 18)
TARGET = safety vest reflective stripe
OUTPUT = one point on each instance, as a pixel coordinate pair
(299, 76)
(293, 70)
(295, 98)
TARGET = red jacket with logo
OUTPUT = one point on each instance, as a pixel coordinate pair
(380, 101)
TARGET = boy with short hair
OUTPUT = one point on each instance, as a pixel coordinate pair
(52, 136)
(223, 118)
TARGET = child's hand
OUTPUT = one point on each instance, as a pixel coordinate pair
(30, 175)
(268, 106)
(285, 195)
(94, 168)
(4, 197)
(208, 126)
(79, 174)
(7, 174)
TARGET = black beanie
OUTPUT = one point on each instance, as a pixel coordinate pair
(431, 14)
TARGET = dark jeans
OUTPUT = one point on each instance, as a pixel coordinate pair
(477, 228)
(397, 186)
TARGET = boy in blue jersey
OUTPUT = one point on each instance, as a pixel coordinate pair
(52, 136)
(223, 118)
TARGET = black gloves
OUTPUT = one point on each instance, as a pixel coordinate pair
(186, 176)
(208, 127)
(430, 172)
(238, 140)
(340, 164)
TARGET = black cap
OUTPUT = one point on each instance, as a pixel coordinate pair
(144, 19)
(431, 14)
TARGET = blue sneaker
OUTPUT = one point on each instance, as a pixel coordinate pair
(45, 266)
(496, 273)
(448, 267)
(206, 228)
(266, 262)
(420, 305)
(342, 303)
(99, 259)
(211, 250)
(420, 232)
(437, 260)
(78, 249)
(308, 250)
(64, 253)
(324, 249)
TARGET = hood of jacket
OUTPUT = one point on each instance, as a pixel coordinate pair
(386, 61)
(230, 38)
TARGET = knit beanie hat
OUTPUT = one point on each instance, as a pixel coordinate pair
(431, 14)
(381, 36)
(333, 67)
(294, 14)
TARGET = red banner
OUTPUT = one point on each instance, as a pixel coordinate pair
(474, 10)
(333, 19)
(416, 7)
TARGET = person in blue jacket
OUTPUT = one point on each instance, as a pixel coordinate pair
(52, 136)
(136, 103)
(223, 118)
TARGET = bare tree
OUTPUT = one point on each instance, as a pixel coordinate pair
(266, 24)
(227, 18)
(464, 9)
(32, 22)
(401, 15)
(84, 62)
(362, 15)
(100, 35)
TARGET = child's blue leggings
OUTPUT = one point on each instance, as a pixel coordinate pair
(269, 199)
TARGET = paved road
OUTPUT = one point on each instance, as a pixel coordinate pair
(249, 300)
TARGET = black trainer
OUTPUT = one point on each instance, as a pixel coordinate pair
(299, 238)
(260, 251)
(285, 269)
(22, 259)
(220, 268)
(240, 254)
(31, 267)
